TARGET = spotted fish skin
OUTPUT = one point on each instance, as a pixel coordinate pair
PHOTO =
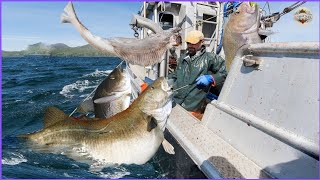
(131, 136)
(242, 28)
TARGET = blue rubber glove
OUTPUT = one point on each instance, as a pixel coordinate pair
(204, 80)
(211, 96)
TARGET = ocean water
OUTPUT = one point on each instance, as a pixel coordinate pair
(29, 85)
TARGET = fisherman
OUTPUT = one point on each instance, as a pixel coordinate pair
(197, 72)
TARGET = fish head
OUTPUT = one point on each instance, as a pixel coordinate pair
(156, 96)
(244, 18)
(117, 81)
(175, 37)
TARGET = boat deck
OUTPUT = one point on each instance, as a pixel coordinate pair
(213, 155)
(265, 121)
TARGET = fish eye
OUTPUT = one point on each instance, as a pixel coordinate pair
(237, 12)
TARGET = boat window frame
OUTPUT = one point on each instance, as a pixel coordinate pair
(167, 13)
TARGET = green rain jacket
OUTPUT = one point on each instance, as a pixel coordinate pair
(188, 70)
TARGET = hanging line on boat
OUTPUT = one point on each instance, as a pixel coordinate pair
(267, 3)
(292, 7)
(94, 90)
(285, 11)
(271, 19)
(135, 85)
(227, 9)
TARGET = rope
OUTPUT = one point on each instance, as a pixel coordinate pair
(292, 7)
(285, 11)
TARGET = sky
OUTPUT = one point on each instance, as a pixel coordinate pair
(25, 23)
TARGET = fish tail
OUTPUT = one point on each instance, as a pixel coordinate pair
(23, 136)
(69, 15)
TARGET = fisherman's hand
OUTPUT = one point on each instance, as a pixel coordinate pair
(204, 81)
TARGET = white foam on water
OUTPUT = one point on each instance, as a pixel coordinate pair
(115, 175)
(79, 86)
(98, 73)
(30, 91)
(75, 165)
(66, 175)
(120, 173)
(81, 150)
(84, 95)
(16, 159)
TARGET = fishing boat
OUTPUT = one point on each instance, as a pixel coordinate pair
(264, 123)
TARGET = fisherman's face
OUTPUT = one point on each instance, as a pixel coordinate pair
(193, 48)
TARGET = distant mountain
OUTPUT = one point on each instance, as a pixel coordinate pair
(59, 46)
(58, 49)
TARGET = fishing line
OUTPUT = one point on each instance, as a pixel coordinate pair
(181, 87)
(92, 92)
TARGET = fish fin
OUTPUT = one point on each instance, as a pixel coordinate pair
(23, 136)
(183, 21)
(142, 52)
(168, 147)
(69, 14)
(108, 98)
(86, 106)
(152, 123)
(265, 32)
(53, 115)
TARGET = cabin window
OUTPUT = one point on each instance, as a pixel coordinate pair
(165, 21)
(209, 25)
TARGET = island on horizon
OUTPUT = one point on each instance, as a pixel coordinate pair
(58, 49)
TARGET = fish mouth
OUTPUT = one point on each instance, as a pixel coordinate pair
(250, 7)
(178, 40)
(252, 4)
(175, 29)
(170, 82)
(167, 86)
(175, 40)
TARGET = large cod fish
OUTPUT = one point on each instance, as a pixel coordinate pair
(111, 96)
(132, 136)
(242, 28)
(144, 52)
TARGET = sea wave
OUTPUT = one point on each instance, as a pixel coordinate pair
(16, 159)
(78, 86)
(98, 73)
(115, 175)
(120, 172)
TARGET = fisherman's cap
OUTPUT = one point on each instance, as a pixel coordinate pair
(194, 37)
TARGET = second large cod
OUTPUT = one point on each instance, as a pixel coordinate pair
(131, 137)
